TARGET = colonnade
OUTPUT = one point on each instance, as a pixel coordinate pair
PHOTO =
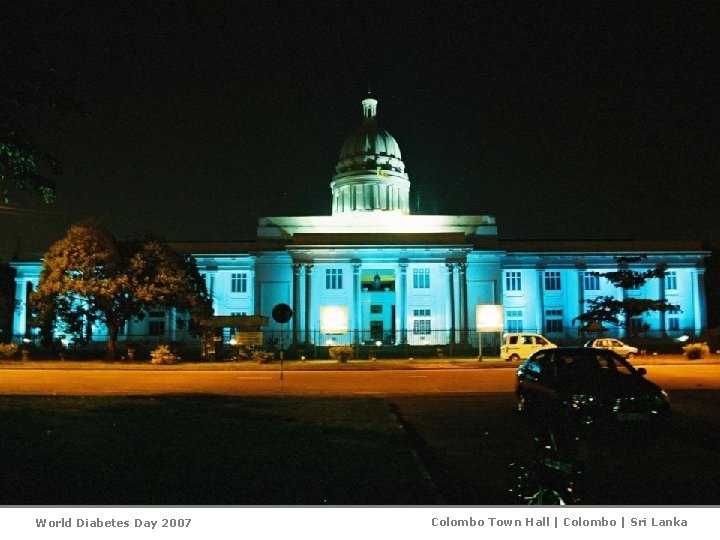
(455, 292)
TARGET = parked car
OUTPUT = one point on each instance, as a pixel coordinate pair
(518, 346)
(590, 384)
(615, 345)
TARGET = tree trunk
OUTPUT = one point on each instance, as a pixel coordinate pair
(111, 350)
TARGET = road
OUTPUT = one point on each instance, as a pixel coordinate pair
(127, 381)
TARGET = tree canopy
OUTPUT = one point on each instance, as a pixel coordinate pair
(28, 86)
(19, 158)
(620, 312)
(89, 277)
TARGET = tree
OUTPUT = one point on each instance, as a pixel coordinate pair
(7, 301)
(89, 277)
(20, 164)
(620, 312)
(29, 87)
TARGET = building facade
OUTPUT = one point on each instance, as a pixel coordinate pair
(372, 273)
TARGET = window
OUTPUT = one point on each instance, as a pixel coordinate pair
(376, 308)
(513, 320)
(591, 282)
(670, 281)
(421, 323)
(513, 281)
(673, 320)
(637, 326)
(421, 278)
(238, 283)
(333, 278)
(421, 327)
(552, 281)
(553, 320)
(156, 328)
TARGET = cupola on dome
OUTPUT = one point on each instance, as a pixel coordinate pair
(370, 174)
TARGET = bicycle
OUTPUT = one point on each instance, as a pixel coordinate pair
(553, 477)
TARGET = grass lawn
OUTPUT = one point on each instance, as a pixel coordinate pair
(205, 450)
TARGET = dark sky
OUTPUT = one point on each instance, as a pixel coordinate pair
(580, 120)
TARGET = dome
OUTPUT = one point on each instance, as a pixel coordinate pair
(370, 174)
(370, 146)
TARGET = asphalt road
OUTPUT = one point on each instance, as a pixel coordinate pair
(124, 380)
(143, 382)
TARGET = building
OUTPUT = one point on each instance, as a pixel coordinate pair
(372, 273)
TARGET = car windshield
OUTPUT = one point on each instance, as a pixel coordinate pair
(591, 361)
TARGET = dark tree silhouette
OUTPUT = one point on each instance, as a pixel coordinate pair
(620, 312)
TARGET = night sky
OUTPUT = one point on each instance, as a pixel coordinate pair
(582, 120)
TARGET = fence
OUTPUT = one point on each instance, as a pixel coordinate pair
(437, 344)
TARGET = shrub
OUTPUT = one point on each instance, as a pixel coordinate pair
(251, 353)
(262, 357)
(8, 350)
(696, 350)
(162, 355)
(341, 353)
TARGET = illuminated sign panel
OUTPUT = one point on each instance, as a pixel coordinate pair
(333, 319)
(489, 318)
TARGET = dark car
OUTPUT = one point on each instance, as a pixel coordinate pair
(591, 384)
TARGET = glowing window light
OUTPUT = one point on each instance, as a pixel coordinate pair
(334, 319)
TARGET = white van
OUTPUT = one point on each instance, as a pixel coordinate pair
(518, 346)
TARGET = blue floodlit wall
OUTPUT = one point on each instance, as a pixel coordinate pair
(428, 298)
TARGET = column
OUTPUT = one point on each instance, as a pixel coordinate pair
(699, 308)
(401, 295)
(540, 299)
(462, 269)
(357, 307)
(172, 324)
(296, 304)
(451, 300)
(308, 302)
(661, 295)
(625, 328)
(581, 268)
(21, 312)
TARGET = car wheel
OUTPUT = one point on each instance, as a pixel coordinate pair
(630, 356)
(513, 358)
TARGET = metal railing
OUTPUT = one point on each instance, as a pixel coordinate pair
(436, 344)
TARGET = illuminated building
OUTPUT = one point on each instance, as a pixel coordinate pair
(372, 272)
